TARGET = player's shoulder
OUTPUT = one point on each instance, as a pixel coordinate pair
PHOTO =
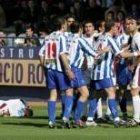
(136, 36)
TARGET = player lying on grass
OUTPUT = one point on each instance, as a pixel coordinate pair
(15, 108)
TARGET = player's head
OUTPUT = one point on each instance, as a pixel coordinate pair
(132, 24)
(100, 26)
(111, 27)
(126, 25)
(60, 24)
(70, 19)
(4, 111)
(76, 27)
(28, 112)
(88, 27)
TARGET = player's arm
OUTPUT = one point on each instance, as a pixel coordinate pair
(123, 53)
(42, 55)
(42, 60)
(127, 54)
(64, 60)
(87, 48)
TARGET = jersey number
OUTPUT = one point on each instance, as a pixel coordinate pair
(50, 51)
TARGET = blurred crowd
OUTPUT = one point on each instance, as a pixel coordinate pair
(38, 13)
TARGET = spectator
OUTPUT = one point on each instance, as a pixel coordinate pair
(118, 5)
(31, 38)
(44, 11)
(77, 10)
(92, 11)
(2, 39)
(2, 17)
(134, 11)
(109, 16)
(33, 13)
(120, 21)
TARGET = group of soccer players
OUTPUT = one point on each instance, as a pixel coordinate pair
(77, 59)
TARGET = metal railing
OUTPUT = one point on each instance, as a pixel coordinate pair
(19, 41)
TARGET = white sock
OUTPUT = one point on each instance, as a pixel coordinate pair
(116, 119)
(99, 109)
(136, 108)
(90, 119)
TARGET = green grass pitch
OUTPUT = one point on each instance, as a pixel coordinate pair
(36, 129)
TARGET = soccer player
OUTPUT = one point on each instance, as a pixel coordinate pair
(68, 35)
(78, 49)
(15, 108)
(89, 36)
(124, 70)
(135, 46)
(102, 73)
(58, 74)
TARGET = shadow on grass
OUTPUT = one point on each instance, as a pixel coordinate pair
(45, 117)
(26, 124)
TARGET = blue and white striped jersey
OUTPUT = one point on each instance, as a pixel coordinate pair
(104, 67)
(78, 49)
(69, 36)
(54, 46)
(91, 41)
(122, 40)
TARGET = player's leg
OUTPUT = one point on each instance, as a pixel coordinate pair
(135, 98)
(52, 107)
(62, 97)
(81, 104)
(68, 104)
(122, 101)
(112, 103)
(52, 87)
(64, 84)
(93, 102)
(108, 115)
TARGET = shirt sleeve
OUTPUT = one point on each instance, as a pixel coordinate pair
(63, 45)
(115, 49)
(85, 46)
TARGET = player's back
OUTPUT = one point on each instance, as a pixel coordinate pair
(54, 45)
(16, 107)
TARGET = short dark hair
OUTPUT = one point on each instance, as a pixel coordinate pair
(74, 27)
(57, 23)
(30, 26)
(28, 112)
(88, 21)
(109, 25)
(69, 16)
(99, 24)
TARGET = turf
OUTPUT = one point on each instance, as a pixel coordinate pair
(36, 129)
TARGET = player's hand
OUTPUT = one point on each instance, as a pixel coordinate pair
(105, 49)
(70, 74)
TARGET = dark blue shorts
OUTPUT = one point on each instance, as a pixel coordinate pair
(124, 76)
(57, 80)
(79, 78)
(102, 84)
